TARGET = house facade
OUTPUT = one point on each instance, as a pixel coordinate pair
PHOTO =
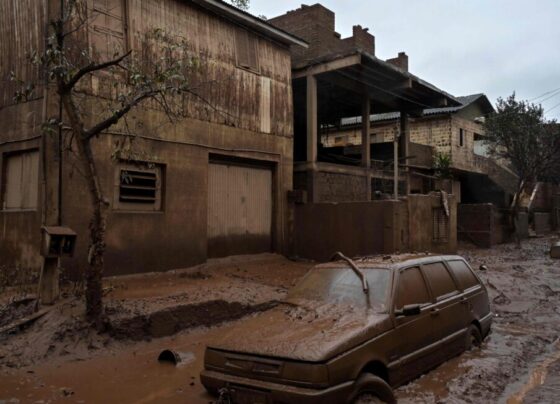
(456, 133)
(214, 183)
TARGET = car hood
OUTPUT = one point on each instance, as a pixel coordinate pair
(312, 333)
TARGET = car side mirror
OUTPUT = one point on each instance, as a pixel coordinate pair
(409, 310)
(483, 268)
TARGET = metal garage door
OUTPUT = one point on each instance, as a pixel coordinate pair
(239, 209)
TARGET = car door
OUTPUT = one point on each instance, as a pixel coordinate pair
(449, 310)
(413, 337)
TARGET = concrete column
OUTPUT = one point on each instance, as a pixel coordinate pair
(312, 120)
(366, 138)
(366, 143)
(404, 146)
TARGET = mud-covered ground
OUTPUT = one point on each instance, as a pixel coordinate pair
(59, 359)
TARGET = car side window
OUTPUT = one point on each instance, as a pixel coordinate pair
(463, 274)
(411, 289)
(440, 280)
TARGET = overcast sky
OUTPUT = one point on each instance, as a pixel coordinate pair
(461, 46)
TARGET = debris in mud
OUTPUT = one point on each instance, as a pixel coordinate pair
(502, 299)
(17, 310)
(176, 358)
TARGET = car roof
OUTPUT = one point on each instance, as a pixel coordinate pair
(396, 261)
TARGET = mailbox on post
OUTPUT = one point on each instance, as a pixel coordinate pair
(56, 242)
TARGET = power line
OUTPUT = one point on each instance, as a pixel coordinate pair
(550, 109)
(544, 94)
(549, 97)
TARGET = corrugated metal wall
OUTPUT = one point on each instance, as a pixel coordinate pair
(239, 209)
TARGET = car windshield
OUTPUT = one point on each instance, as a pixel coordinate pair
(342, 285)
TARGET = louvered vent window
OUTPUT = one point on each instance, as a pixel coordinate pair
(440, 225)
(138, 188)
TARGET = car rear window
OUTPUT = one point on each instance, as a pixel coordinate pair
(412, 288)
(440, 280)
(463, 273)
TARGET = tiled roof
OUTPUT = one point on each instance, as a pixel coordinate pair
(391, 116)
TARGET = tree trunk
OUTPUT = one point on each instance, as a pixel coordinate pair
(515, 213)
(98, 222)
(97, 230)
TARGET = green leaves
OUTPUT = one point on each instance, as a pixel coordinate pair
(519, 133)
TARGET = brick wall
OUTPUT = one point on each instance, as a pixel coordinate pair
(316, 25)
(401, 61)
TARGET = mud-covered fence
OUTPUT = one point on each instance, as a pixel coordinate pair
(355, 228)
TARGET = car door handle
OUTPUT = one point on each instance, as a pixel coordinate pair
(434, 312)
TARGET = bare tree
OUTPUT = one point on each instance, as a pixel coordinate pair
(158, 72)
(519, 133)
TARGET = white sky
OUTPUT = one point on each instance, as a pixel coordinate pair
(461, 46)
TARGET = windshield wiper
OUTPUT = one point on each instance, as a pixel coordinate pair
(356, 270)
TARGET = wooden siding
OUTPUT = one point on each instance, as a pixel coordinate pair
(22, 29)
(236, 94)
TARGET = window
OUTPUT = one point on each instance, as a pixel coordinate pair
(463, 273)
(246, 49)
(108, 28)
(20, 180)
(440, 280)
(440, 225)
(412, 288)
(138, 187)
(461, 137)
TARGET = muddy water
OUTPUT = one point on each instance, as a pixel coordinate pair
(130, 376)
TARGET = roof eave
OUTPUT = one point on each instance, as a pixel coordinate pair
(246, 19)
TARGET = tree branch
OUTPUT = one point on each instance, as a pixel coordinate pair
(92, 68)
(117, 115)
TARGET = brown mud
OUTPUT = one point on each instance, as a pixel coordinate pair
(518, 362)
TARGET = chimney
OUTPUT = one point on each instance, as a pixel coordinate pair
(401, 61)
(362, 39)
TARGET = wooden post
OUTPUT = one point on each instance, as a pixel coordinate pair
(366, 138)
(366, 143)
(312, 121)
(396, 168)
(49, 281)
(404, 147)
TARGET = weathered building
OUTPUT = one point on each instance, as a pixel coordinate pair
(454, 132)
(212, 184)
(335, 78)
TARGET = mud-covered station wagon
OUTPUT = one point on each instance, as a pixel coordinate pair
(349, 331)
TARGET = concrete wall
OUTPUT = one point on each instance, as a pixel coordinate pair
(421, 223)
(368, 228)
(485, 225)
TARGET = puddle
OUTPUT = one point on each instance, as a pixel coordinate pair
(536, 378)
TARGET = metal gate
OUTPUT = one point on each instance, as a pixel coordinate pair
(239, 209)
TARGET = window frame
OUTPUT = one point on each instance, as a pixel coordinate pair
(446, 296)
(461, 137)
(477, 286)
(397, 282)
(4, 180)
(135, 207)
(251, 42)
